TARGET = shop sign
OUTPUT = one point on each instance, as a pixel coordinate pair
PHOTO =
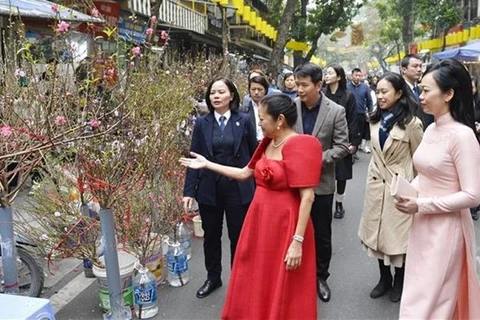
(130, 30)
(110, 12)
(412, 48)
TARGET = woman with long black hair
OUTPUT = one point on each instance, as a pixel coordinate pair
(396, 134)
(336, 90)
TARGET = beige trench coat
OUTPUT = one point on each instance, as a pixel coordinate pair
(382, 227)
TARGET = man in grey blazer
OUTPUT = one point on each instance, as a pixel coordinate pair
(324, 119)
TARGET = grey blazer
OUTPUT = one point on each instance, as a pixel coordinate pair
(332, 132)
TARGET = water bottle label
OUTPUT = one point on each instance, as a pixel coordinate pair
(185, 244)
(177, 264)
(146, 295)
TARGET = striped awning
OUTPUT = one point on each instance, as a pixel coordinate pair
(140, 6)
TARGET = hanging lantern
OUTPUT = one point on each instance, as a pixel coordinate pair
(264, 27)
(246, 14)
(253, 19)
(258, 25)
(238, 4)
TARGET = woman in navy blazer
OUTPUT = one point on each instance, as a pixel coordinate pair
(228, 137)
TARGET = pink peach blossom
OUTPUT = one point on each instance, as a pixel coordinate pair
(95, 123)
(60, 120)
(149, 31)
(163, 35)
(62, 27)
(110, 72)
(55, 8)
(94, 12)
(6, 131)
(132, 64)
(153, 19)
(136, 51)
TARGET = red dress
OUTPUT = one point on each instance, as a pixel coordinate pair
(260, 286)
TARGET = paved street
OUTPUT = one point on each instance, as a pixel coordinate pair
(354, 275)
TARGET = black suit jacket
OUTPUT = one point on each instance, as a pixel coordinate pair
(201, 184)
(248, 109)
(347, 100)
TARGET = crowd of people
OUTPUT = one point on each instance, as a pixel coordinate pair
(274, 163)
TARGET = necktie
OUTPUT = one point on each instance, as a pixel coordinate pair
(416, 91)
(222, 123)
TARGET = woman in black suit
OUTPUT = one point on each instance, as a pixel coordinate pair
(336, 90)
(223, 136)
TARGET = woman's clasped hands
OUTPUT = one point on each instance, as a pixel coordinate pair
(406, 204)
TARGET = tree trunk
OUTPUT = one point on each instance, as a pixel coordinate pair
(224, 68)
(276, 57)
(297, 58)
(407, 33)
(399, 57)
(312, 50)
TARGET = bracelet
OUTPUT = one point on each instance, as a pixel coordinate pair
(298, 238)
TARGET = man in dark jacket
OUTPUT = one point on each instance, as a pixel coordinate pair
(412, 72)
(364, 105)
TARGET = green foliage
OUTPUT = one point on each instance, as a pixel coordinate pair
(328, 16)
(275, 11)
(399, 18)
(391, 29)
(443, 14)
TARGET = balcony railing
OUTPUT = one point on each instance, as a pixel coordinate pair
(182, 17)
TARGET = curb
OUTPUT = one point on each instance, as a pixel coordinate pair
(70, 291)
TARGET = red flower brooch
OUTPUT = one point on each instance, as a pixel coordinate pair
(267, 174)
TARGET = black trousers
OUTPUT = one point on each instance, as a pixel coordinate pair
(228, 202)
(363, 126)
(321, 215)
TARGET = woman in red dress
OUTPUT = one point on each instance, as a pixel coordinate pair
(273, 275)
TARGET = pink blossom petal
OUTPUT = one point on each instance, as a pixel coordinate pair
(60, 120)
(163, 35)
(136, 51)
(62, 27)
(94, 12)
(6, 131)
(95, 123)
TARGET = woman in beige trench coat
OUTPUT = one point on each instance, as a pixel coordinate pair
(395, 135)
(440, 277)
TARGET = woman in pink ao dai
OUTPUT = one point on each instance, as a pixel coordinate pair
(440, 276)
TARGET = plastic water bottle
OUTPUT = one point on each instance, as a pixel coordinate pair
(145, 293)
(184, 237)
(177, 265)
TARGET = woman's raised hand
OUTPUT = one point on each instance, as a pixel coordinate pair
(198, 161)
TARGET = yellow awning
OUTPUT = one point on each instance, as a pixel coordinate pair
(296, 45)
(318, 61)
(395, 58)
